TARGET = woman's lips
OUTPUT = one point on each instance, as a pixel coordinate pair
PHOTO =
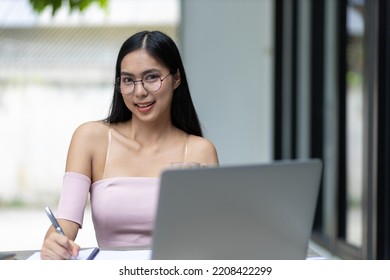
(144, 107)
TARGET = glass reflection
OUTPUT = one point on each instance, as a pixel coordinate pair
(354, 119)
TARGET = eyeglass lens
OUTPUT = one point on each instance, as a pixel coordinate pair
(151, 82)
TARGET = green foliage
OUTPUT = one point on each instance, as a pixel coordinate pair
(81, 5)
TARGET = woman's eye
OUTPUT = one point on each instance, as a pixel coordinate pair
(127, 80)
(151, 77)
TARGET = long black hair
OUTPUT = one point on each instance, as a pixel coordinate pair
(164, 49)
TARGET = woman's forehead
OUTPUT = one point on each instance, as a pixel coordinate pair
(140, 61)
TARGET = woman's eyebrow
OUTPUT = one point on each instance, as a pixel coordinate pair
(125, 73)
(152, 70)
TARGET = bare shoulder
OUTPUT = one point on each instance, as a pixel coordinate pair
(91, 131)
(89, 137)
(88, 143)
(202, 150)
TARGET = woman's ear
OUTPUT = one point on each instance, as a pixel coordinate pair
(176, 79)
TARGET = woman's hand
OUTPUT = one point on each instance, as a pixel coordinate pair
(58, 247)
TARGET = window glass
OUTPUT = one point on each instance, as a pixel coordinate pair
(354, 119)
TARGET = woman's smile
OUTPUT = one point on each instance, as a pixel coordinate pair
(144, 107)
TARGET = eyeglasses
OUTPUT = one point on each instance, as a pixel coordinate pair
(151, 82)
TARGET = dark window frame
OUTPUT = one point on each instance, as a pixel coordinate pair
(383, 144)
(376, 198)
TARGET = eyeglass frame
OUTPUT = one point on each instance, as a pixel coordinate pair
(118, 84)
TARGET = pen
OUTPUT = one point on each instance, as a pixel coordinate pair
(93, 254)
(53, 220)
(55, 224)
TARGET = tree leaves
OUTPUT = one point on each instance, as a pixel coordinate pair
(40, 5)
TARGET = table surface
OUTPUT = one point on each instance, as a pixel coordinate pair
(24, 255)
(16, 255)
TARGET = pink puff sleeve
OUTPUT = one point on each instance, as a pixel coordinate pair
(73, 197)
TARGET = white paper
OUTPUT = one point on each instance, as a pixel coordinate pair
(124, 255)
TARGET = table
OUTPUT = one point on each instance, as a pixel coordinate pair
(16, 255)
(23, 255)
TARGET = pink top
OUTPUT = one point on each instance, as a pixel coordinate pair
(123, 208)
(128, 221)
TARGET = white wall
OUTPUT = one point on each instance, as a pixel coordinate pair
(227, 52)
(37, 122)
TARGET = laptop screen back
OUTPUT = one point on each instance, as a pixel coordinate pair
(259, 211)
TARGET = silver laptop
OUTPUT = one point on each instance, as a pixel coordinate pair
(262, 211)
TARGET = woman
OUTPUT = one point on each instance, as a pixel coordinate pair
(118, 161)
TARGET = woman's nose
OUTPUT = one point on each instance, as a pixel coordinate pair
(139, 89)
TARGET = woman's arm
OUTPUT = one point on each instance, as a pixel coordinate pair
(79, 160)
